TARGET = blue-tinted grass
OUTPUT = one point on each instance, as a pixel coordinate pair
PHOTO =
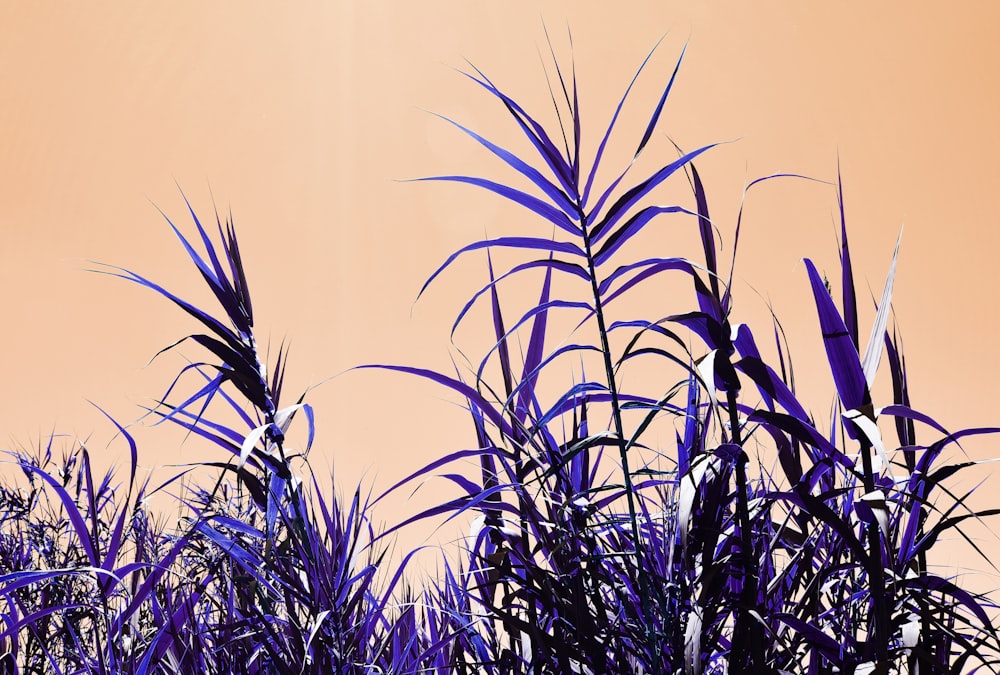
(594, 549)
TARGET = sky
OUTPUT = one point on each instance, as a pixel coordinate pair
(305, 123)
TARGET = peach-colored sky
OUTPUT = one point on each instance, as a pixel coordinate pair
(300, 120)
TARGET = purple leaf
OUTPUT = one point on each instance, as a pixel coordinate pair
(705, 226)
(535, 133)
(522, 167)
(621, 207)
(633, 226)
(840, 350)
(524, 243)
(557, 265)
(850, 300)
(550, 213)
(611, 125)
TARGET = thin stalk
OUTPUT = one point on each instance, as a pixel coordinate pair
(879, 626)
(748, 593)
(652, 634)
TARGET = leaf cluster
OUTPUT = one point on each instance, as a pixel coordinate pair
(759, 539)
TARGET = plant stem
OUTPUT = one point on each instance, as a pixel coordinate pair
(879, 626)
(652, 635)
(745, 622)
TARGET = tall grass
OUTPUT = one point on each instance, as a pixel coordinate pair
(594, 548)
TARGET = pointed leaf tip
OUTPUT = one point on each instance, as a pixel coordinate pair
(845, 365)
(876, 343)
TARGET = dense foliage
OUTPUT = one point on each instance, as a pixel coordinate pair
(594, 549)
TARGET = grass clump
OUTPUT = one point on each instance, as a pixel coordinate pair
(594, 549)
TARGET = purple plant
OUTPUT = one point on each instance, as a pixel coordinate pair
(738, 572)
(593, 548)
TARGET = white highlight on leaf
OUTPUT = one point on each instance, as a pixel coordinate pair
(911, 631)
(876, 502)
(871, 431)
(876, 343)
(317, 622)
(734, 331)
(250, 442)
(706, 369)
(689, 489)
(283, 417)
(477, 526)
(692, 642)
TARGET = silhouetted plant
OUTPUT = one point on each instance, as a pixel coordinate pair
(593, 548)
